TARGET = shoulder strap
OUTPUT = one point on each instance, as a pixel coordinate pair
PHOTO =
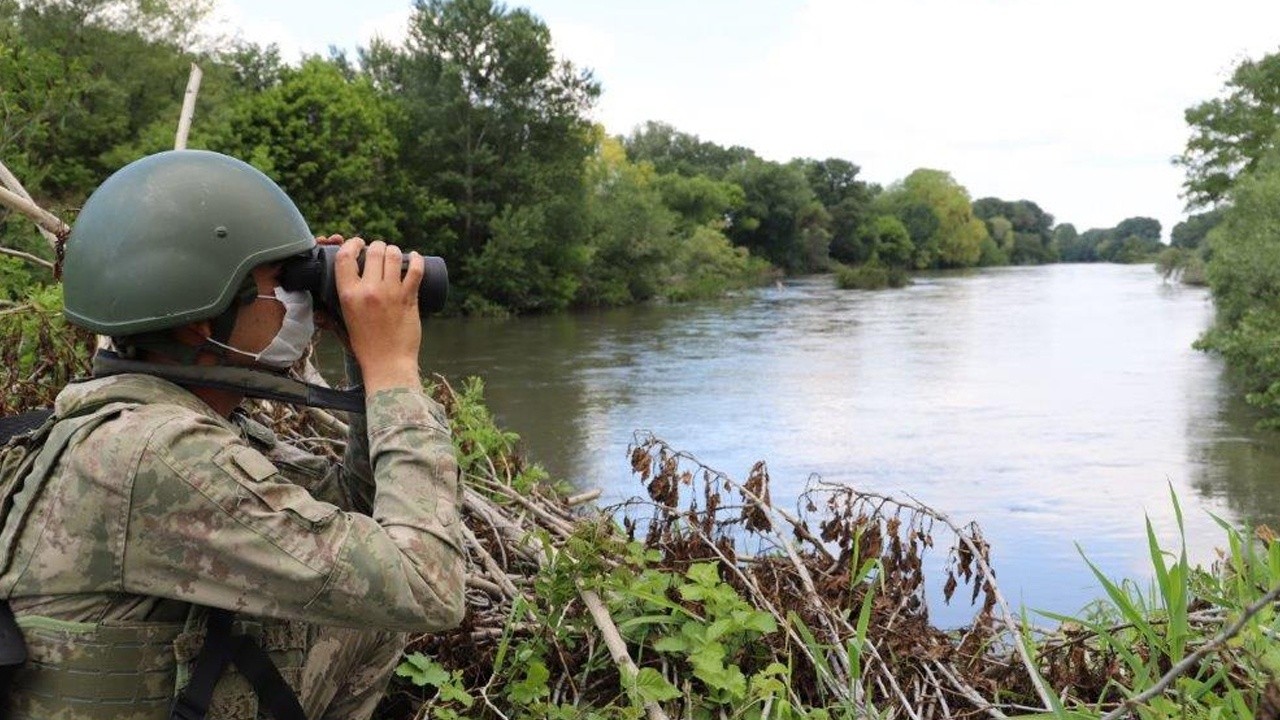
(15, 425)
(192, 703)
(252, 382)
(46, 446)
(273, 692)
(220, 649)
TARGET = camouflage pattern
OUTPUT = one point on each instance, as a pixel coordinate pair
(164, 506)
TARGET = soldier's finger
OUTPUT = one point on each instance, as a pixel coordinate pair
(374, 259)
(391, 264)
(345, 269)
(413, 276)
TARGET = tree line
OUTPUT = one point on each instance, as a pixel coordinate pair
(472, 141)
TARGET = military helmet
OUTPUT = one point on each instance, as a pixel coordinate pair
(171, 238)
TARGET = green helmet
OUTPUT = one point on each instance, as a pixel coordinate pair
(171, 238)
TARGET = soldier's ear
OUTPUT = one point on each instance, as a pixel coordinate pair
(193, 334)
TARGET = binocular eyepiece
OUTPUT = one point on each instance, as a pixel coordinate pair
(313, 271)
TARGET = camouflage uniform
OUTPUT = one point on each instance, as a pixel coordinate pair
(159, 506)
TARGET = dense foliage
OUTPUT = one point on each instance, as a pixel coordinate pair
(471, 140)
(1233, 169)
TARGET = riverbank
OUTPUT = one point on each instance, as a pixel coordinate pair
(700, 598)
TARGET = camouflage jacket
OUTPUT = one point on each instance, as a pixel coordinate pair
(168, 504)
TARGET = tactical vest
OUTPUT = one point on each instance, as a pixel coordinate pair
(133, 671)
(115, 670)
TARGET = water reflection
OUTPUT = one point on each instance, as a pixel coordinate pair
(1053, 405)
(1232, 462)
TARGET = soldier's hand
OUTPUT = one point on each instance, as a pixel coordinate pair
(380, 309)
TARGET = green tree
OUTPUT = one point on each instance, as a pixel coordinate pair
(35, 90)
(698, 199)
(79, 79)
(1068, 246)
(889, 241)
(777, 220)
(834, 180)
(656, 235)
(1001, 231)
(631, 237)
(922, 225)
(327, 141)
(490, 121)
(706, 264)
(814, 237)
(119, 65)
(1231, 134)
(253, 68)
(847, 201)
(1143, 228)
(1028, 239)
(1190, 234)
(673, 151)
(1099, 244)
(1244, 275)
(1135, 239)
(1001, 240)
(937, 213)
(519, 269)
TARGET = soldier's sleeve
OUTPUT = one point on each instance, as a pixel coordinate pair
(350, 485)
(213, 522)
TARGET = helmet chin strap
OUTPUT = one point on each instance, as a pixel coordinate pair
(253, 383)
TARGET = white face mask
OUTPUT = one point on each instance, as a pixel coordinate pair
(295, 332)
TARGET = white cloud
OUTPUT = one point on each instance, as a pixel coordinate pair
(392, 27)
(585, 46)
(229, 18)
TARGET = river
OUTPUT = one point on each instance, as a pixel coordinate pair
(1054, 406)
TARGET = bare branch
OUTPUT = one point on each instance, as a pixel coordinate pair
(42, 217)
(583, 497)
(617, 646)
(9, 180)
(1194, 658)
(28, 257)
(188, 108)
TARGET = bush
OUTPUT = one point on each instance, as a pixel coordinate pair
(39, 351)
(871, 276)
(706, 265)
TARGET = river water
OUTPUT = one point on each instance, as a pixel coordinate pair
(1054, 406)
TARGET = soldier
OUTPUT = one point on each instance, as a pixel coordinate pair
(163, 540)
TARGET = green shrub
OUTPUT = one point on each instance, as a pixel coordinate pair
(871, 276)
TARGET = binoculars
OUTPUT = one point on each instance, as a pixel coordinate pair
(313, 271)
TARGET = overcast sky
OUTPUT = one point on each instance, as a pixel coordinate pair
(1074, 104)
